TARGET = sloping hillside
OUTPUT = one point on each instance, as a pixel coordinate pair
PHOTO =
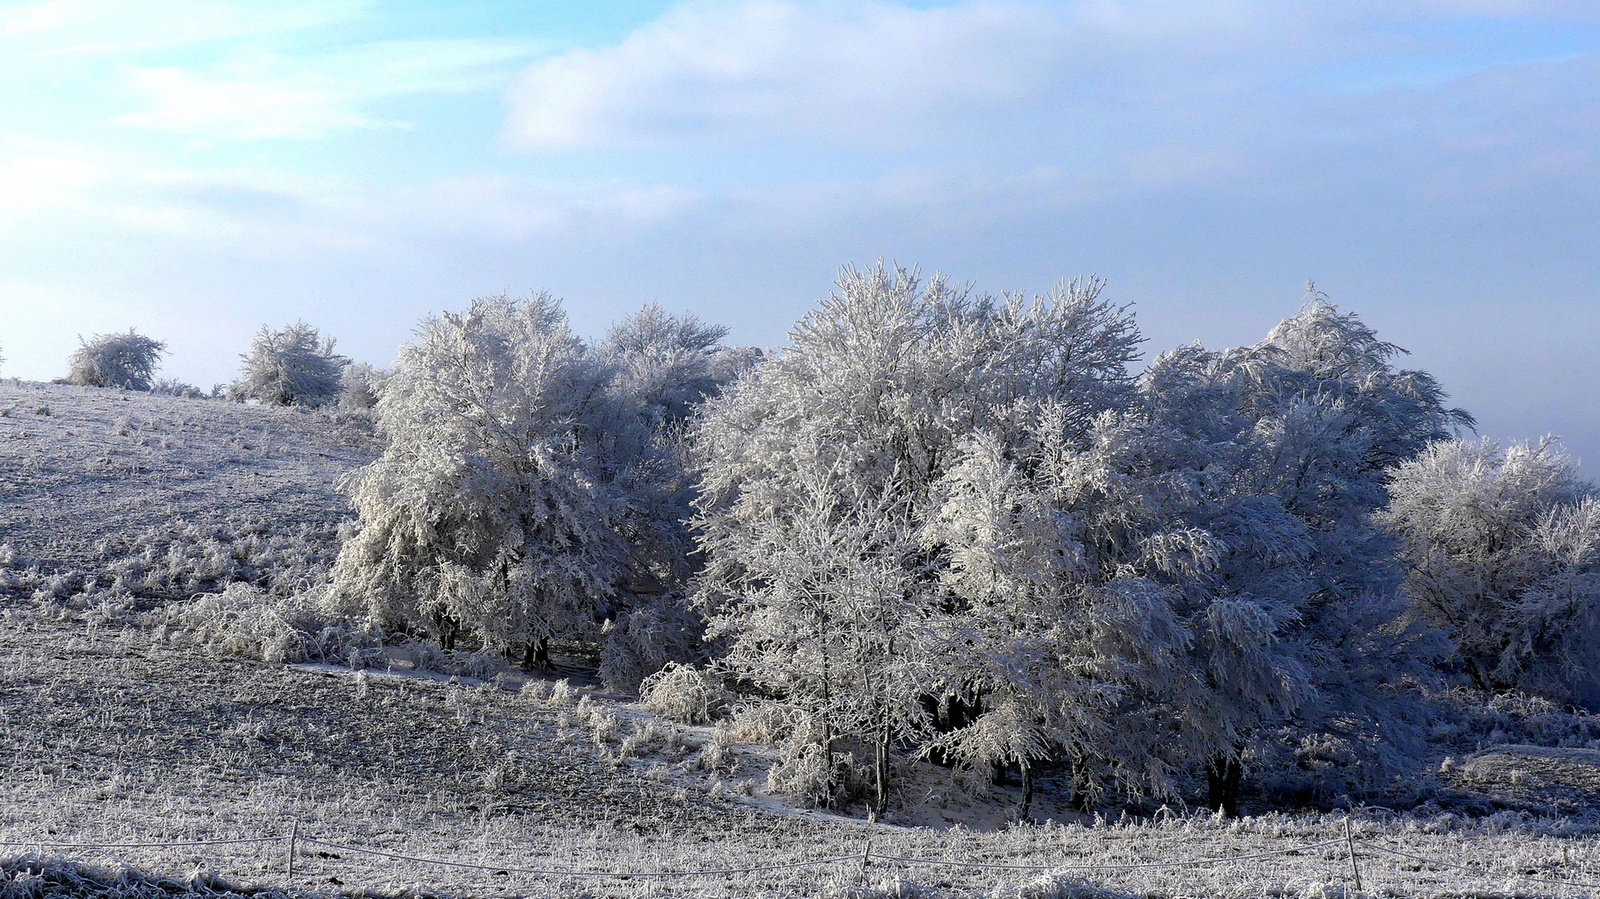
(91, 477)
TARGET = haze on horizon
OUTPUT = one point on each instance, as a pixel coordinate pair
(197, 169)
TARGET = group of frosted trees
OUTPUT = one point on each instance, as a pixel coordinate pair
(958, 528)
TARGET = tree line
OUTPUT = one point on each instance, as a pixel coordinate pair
(960, 528)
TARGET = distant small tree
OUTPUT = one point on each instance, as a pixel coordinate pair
(115, 360)
(294, 366)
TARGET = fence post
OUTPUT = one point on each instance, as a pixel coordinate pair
(294, 831)
(1350, 844)
(866, 859)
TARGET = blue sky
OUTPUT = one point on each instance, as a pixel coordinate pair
(197, 169)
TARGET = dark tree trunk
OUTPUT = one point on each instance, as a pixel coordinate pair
(1027, 789)
(881, 771)
(1479, 679)
(541, 652)
(1223, 776)
(448, 629)
(1080, 784)
(530, 655)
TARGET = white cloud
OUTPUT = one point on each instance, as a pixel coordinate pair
(999, 73)
(764, 69)
(266, 97)
(182, 102)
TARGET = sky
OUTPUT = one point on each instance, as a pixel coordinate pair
(197, 169)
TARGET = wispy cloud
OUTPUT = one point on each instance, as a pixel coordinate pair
(774, 70)
(270, 96)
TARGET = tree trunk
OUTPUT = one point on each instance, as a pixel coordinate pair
(447, 630)
(881, 803)
(541, 653)
(530, 655)
(1027, 789)
(1224, 773)
(1479, 679)
(1080, 784)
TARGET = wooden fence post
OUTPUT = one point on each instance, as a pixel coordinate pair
(1350, 844)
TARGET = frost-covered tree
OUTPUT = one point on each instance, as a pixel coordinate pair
(1021, 633)
(1502, 550)
(668, 362)
(663, 366)
(126, 360)
(953, 524)
(501, 503)
(359, 386)
(820, 468)
(294, 366)
(1235, 499)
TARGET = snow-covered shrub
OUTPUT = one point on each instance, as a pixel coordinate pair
(683, 693)
(717, 756)
(359, 387)
(1503, 553)
(180, 557)
(294, 366)
(174, 387)
(803, 774)
(647, 638)
(562, 694)
(245, 621)
(126, 360)
(768, 723)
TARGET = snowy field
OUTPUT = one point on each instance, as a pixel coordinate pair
(460, 775)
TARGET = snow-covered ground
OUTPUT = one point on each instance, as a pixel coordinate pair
(120, 729)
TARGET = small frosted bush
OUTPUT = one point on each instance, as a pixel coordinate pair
(717, 756)
(174, 387)
(802, 774)
(562, 694)
(295, 366)
(683, 693)
(359, 387)
(126, 360)
(245, 621)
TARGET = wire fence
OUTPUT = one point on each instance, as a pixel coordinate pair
(293, 842)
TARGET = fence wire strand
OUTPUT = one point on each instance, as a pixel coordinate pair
(540, 872)
(869, 857)
(1116, 866)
